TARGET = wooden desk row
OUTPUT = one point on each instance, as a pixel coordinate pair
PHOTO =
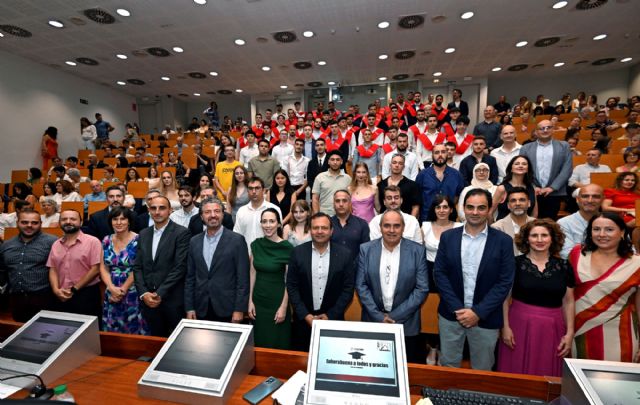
(113, 376)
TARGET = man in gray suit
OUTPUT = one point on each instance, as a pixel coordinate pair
(160, 267)
(217, 283)
(552, 166)
(390, 292)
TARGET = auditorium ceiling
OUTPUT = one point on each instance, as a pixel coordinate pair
(183, 47)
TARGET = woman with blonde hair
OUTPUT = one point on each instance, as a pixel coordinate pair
(169, 189)
(364, 195)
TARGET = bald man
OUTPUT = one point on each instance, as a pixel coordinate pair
(509, 149)
(589, 199)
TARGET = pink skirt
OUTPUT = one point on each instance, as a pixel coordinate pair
(537, 332)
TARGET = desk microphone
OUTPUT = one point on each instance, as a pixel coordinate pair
(39, 391)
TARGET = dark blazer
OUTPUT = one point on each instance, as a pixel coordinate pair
(98, 224)
(411, 289)
(164, 274)
(196, 226)
(142, 221)
(338, 292)
(464, 107)
(225, 284)
(493, 282)
(313, 169)
(561, 165)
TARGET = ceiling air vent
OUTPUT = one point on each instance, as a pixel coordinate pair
(302, 65)
(411, 21)
(590, 4)
(401, 76)
(285, 36)
(137, 82)
(517, 68)
(402, 55)
(224, 91)
(100, 16)
(543, 42)
(16, 31)
(603, 61)
(87, 61)
(314, 84)
(160, 52)
(197, 75)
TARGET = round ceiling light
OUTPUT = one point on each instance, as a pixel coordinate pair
(284, 87)
(239, 42)
(521, 44)
(308, 34)
(450, 50)
(265, 68)
(196, 94)
(558, 64)
(121, 56)
(382, 78)
(121, 83)
(322, 63)
(332, 83)
(383, 56)
(213, 73)
(56, 24)
(201, 2)
(123, 12)
(178, 49)
(625, 60)
(165, 78)
(559, 5)
(496, 69)
(599, 37)
(383, 24)
(466, 15)
(238, 90)
(437, 74)
(71, 63)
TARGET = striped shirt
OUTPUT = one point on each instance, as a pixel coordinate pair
(25, 263)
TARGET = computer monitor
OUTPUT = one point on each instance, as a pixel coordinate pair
(200, 358)
(600, 382)
(50, 344)
(357, 363)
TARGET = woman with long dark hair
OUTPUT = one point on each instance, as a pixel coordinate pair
(282, 194)
(519, 173)
(49, 146)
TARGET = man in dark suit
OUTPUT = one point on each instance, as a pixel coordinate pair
(459, 103)
(474, 271)
(196, 225)
(318, 164)
(552, 165)
(392, 282)
(217, 283)
(144, 220)
(320, 281)
(160, 268)
(98, 224)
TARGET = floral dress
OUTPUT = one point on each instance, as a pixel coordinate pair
(123, 316)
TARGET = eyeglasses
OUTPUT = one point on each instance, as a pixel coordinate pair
(547, 128)
(387, 274)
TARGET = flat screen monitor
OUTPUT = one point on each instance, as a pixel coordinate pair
(356, 362)
(41, 340)
(600, 382)
(199, 355)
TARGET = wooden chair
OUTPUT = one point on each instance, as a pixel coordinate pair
(19, 176)
(121, 173)
(637, 211)
(559, 134)
(77, 206)
(10, 232)
(38, 189)
(354, 310)
(84, 188)
(98, 174)
(138, 189)
(604, 180)
(542, 117)
(96, 206)
(83, 154)
(111, 161)
(618, 114)
(429, 314)
(567, 117)
(53, 231)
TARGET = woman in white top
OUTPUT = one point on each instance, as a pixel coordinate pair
(169, 189)
(65, 192)
(297, 231)
(480, 180)
(50, 217)
(441, 217)
(89, 134)
(153, 178)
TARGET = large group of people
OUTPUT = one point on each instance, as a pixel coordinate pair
(292, 215)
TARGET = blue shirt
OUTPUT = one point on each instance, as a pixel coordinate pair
(102, 129)
(209, 246)
(101, 196)
(471, 251)
(354, 233)
(451, 185)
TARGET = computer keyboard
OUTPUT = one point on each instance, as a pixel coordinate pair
(463, 397)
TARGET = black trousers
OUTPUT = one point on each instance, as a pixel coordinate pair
(211, 315)
(549, 206)
(300, 335)
(164, 318)
(416, 349)
(26, 304)
(85, 301)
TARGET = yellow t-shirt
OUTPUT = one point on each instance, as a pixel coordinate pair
(224, 174)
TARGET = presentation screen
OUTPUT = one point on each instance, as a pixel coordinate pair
(200, 352)
(39, 340)
(357, 362)
(615, 387)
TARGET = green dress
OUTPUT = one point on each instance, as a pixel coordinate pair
(270, 260)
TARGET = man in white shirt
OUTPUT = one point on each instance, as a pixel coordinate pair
(283, 150)
(188, 208)
(250, 150)
(296, 167)
(581, 175)
(426, 137)
(462, 139)
(412, 165)
(589, 199)
(509, 149)
(393, 201)
(248, 216)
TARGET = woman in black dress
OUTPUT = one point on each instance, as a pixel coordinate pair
(282, 194)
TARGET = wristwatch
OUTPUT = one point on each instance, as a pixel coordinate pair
(73, 289)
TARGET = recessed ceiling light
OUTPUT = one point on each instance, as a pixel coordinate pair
(178, 49)
(266, 68)
(450, 50)
(308, 34)
(382, 78)
(437, 74)
(383, 24)
(466, 15)
(123, 12)
(121, 83)
(496, 69)
(165, 78)
(383, 56)
(56, 24)
(331, 83)
(213, 73)
(1, 35)
(322, 63)
(70, 63)
(239, 42)
(558, 64)
(521, 44)
(559, 5)
(436, 80)
(238, 90)
(283, 87)
(201, 2)
(196, 94)
(121, 56)
(625, 60)
(599, 37)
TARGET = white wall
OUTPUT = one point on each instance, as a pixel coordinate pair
(601, 83)
(34, 96)
(634, 80)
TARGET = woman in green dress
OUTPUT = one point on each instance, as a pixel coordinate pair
(269, 303)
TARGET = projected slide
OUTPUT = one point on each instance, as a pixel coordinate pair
(38, 341)
(199, 352)
(358, 362)
(615, 388)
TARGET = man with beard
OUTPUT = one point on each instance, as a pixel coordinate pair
(23, 269)
(489, 128)
(441, 113)
(98, 225)
(459, 103)
(188, 208)
(438, 179)
(412, 165)
(413, 106)
(427, 137)
(74, 264)
(518, 204)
